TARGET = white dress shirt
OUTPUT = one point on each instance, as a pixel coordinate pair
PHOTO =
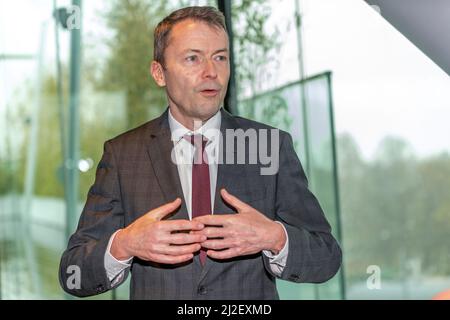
(183, 155)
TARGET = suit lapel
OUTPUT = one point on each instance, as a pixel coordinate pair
(226, 173)
(159, 148)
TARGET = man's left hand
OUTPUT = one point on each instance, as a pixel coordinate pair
(248, 232)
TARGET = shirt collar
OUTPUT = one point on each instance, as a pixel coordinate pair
(210, 129)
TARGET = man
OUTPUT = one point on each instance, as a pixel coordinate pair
(188, 224)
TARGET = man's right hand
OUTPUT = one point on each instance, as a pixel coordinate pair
(151, 239)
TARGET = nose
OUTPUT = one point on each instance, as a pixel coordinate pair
(209, 70)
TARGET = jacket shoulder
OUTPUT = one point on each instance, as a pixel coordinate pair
(135, 135)
(245, 124)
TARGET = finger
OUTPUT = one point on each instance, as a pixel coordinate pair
(181, 225)
(184, 238)
(213, 232)
(214, 219)
(162, 211)
(168, 259)
(218, 244)
(233, 200)
(224, 254)
(176, 250)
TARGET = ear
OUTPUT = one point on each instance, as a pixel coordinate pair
(157, 72)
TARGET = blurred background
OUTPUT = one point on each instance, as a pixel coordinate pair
(368, 111)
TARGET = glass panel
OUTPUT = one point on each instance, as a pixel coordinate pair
(391, 105)
(31, 200)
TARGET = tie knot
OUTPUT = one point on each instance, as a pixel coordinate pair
(197, 140)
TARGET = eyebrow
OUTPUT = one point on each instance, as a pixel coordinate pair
(201, 51)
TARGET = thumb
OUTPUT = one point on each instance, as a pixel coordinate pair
(233, 200)
(162, 211)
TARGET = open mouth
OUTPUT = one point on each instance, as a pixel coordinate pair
(209, 92)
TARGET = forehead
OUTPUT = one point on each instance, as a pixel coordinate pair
(190, 34)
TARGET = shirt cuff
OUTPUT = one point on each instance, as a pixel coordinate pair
(280, 258)
(114, 267)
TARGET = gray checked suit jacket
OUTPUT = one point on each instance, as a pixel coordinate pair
(136, 174)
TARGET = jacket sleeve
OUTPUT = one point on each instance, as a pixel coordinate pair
(314, 255)
(102, 215)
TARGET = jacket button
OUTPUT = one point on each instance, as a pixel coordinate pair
(202, 290)
(100, 288)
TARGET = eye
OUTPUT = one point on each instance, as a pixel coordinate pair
(192, 58)
(221, 58)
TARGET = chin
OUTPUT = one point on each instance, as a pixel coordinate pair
(206, 111)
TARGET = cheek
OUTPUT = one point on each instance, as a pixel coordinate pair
(224, 73)
(190, 81)
(177, 80)
(181, 84)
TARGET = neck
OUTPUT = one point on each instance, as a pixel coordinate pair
(190, 122)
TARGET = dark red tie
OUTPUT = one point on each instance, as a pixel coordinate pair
(201, 194)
